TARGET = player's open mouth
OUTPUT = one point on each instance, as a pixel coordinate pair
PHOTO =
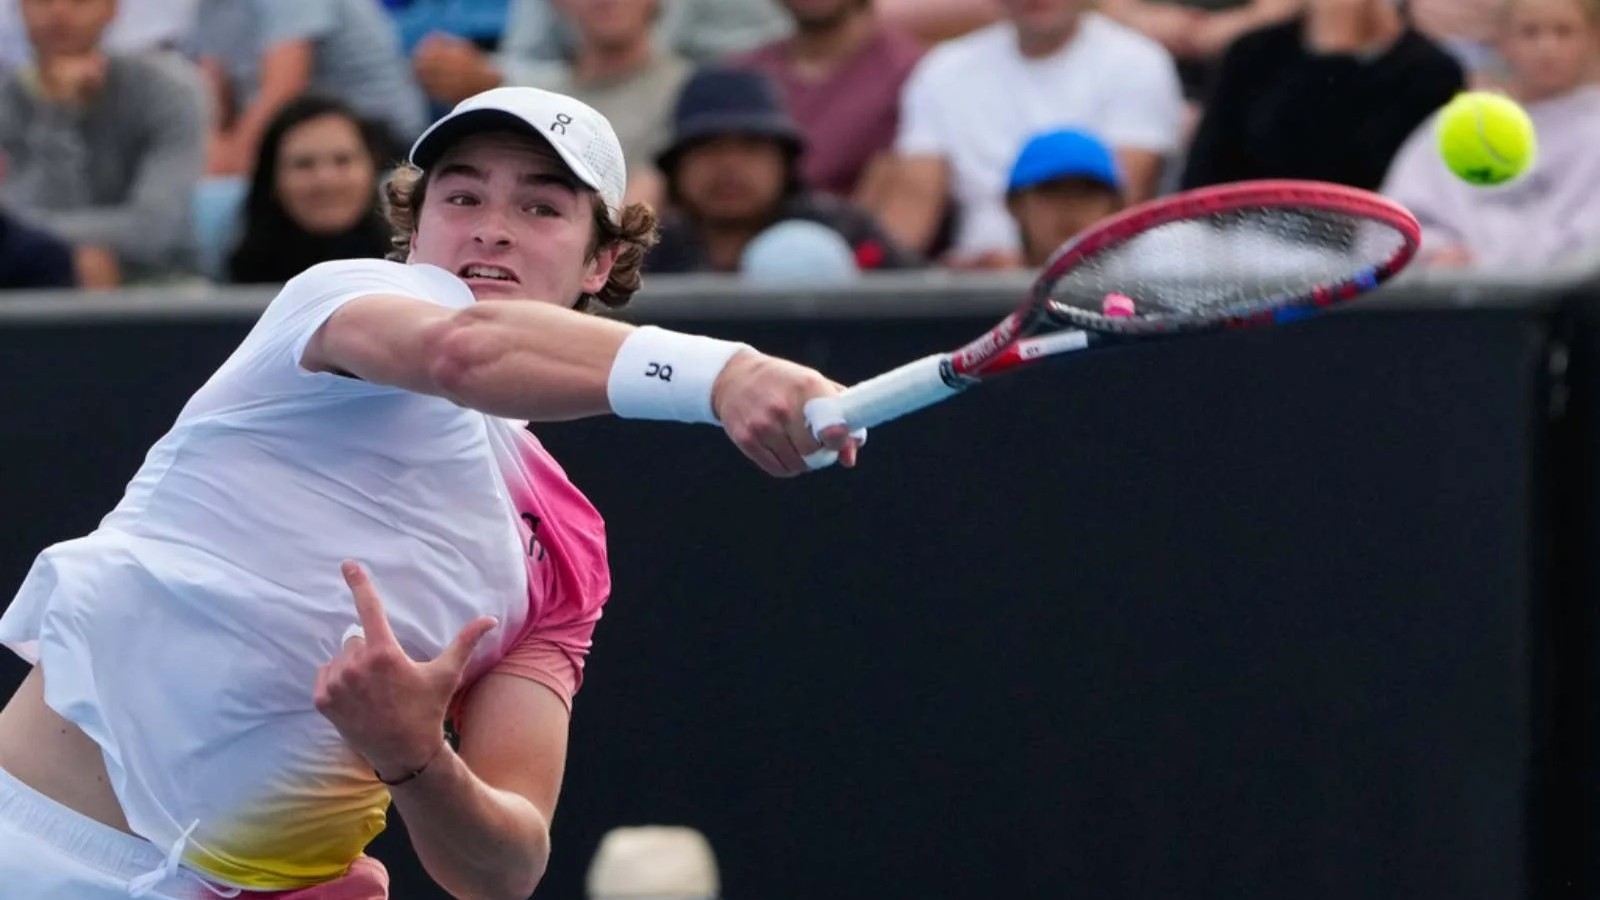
(486, 272)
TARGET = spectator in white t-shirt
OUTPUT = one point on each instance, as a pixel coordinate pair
(973, 102)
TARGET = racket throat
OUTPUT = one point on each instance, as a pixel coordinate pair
(954, 380)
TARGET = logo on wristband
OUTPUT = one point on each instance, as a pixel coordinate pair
(657, 370)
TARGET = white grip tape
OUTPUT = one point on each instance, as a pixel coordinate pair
(877, 400)
(821, 459)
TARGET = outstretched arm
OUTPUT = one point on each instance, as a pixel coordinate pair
(540, 362)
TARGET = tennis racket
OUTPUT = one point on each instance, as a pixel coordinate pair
(1249, 254)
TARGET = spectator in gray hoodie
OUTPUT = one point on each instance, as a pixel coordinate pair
(100, 150)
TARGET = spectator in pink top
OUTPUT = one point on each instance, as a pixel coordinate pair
(840, 75)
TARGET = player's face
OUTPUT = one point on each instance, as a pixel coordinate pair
(326, 180)
(611, 23)
(821, 14)
(1044, 18)
(66, 27)
(1052, 213)
(504, 214)
(1549, 45)
(732, 179)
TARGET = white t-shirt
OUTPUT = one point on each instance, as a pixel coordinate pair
(976, 100)
(185, 632)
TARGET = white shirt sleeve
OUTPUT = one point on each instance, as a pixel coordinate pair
(309, 299)
(921, 111)
(1145, 111)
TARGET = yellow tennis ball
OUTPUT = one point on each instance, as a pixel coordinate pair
(1486, 139)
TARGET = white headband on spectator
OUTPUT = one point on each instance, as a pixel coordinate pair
(582, 137)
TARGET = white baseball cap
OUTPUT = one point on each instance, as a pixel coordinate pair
(654, 861)
(581, 136)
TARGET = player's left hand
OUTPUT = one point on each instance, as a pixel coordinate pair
(389, 707)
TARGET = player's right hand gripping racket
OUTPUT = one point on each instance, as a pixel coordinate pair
(1249, 254)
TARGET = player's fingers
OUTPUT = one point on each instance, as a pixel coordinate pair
(332, 683)
(823, 414)
(455, 657)
(369, 606)
(319, 688)
(847, 456)
(789, 460)
(793, 447)
(762, 456)
(839, 437)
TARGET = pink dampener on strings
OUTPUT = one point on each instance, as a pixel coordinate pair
(1117, 306)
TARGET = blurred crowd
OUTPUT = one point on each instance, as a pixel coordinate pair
(240, 141)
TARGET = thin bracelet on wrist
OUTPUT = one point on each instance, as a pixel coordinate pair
(415, 772)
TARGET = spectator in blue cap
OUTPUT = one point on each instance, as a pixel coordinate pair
(1061, 183)
(732, 171)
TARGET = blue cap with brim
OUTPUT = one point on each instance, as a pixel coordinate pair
(1067, 153)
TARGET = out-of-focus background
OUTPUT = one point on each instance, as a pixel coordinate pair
(1301, 614)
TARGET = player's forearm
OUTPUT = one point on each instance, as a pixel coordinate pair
(529, 361)
(523, 359)
(477, 842)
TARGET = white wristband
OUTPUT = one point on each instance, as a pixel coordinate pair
(667, 375)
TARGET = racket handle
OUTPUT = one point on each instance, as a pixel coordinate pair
(878, 400)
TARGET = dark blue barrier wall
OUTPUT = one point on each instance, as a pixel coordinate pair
(1255, 616)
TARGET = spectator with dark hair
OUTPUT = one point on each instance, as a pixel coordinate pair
(260, 54)
(102, 151)
(841, 75)
(314, 194)
(972, 102)
(732, 171)
(1330, 95)
(1552, 213)
(621, 72)
(1062, 183)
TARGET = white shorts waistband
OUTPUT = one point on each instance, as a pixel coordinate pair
(99, 852)
(102, 847)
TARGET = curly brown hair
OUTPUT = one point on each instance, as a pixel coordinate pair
(636, 233)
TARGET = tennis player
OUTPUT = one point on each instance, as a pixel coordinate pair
(221, 705)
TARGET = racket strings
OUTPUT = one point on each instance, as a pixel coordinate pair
(1227, 263)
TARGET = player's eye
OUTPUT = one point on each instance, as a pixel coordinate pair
(544, 209)
(461, 200)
